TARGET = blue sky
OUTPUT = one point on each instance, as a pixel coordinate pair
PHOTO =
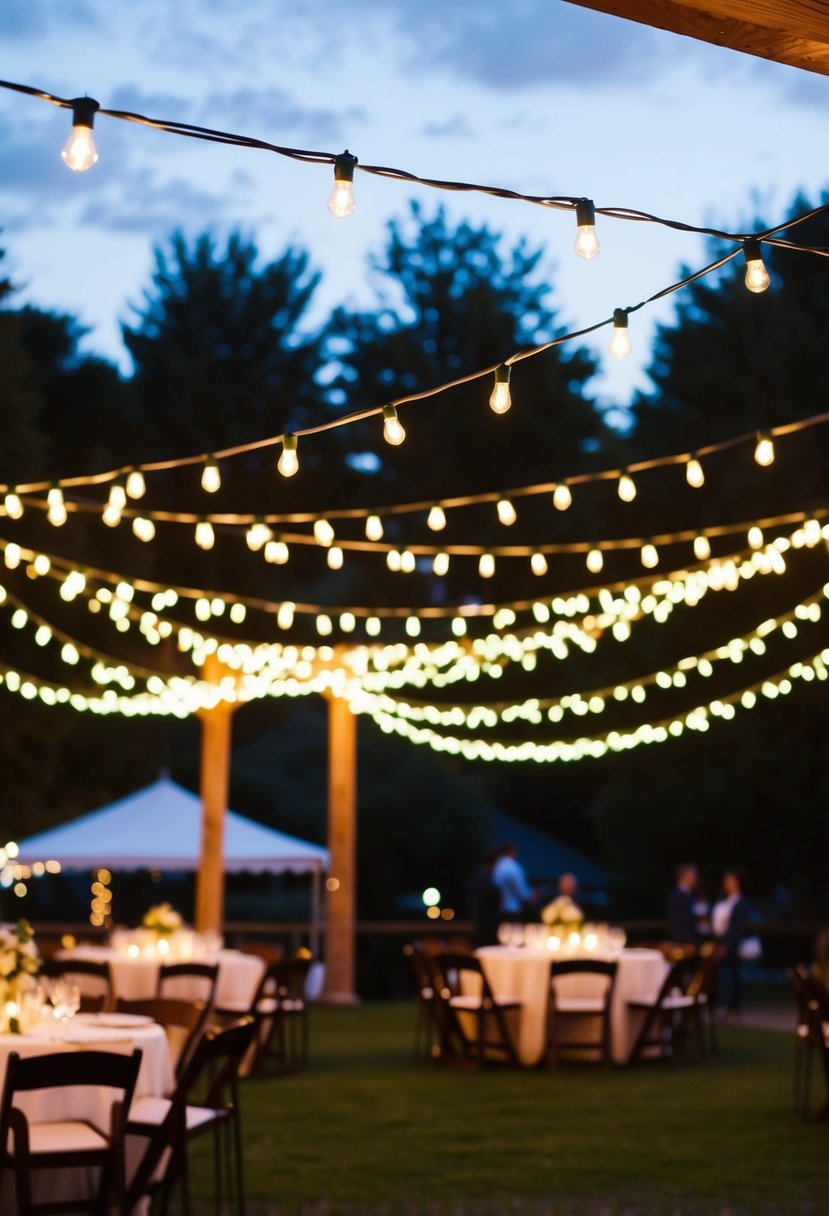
(537, 95)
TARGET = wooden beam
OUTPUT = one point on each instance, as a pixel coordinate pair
(342, 846)
(795, 32)
(214, 784)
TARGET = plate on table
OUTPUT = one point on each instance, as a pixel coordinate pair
(118, 1021)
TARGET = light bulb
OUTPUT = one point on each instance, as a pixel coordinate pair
(437, 519)
(694, 474)
(407, 561)
(211, 478)
(764, 450)
(285, 615)
(257, 535)
(626, 488)
(111, 516)
(79, 151)
(57, 507)
(393, 560)
(117, 496)
(205, 537)
(595, 561)
(136, 486)
(323, 532)
(373, 626)
(500, 400)
(289, 461)
(335, 558)
(506, 512)
(702, 548)
(440, 565)
(277, 552)
(144, 529)
(649, 556)
(538, 563)
(486, 565)
(13, 503)
(393, 431)
(587, 243)
(757, 277)
(341, 200)
(755, 538)
(562, 498)
(374, 528)
(620, 346)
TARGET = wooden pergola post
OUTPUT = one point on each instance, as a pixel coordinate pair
(214, 785)
(342, 842)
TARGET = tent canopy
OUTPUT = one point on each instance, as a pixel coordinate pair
(159, 828)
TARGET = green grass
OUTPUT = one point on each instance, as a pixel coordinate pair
(366, 1129)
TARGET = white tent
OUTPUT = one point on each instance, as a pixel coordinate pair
(159, 828)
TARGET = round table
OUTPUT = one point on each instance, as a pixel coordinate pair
(521, 972)
(136, 978)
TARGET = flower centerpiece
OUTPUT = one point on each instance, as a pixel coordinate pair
(162, 919)
(19, 964)
(563, 914)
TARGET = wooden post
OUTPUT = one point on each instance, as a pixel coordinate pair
(342, 838)
(214, 785)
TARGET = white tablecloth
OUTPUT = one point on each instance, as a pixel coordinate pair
(525, 973)
(137, 978)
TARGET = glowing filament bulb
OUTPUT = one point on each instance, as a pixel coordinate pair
(56, 513)
(755, 538)
(694, 474)
(393, 431)
(12, 503)
(289, 461)
(144, 529)
(79, 152)
(500, 399)
(620, 346)
(335, 558)
(211, 478)
(285, 615)
(136, 485)
(393, 560)
(562, 498)
(757, 277)
(205, 537)
(764, 449)
(323, 532)
(407, 561)
(117, 499)
(506, 512)
(595, 561)
(626, 488)
(341, 200)
(702, 548)
(486, 565)
(587, 243)
(649, 556)
(538, 563)
(440, 565)
(257, 535)
(111, 516)
(374, 528)
(437, 519)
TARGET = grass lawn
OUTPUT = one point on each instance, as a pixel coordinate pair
(366, 1129)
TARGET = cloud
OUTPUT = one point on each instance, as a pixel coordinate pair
(278, 113)
(35, 19)
(455, 127)
(166, 106)
(142, 204)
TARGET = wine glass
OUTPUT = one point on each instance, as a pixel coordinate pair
(66, 1001)
(505, 933)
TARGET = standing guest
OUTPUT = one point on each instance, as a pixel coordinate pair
(682, 924)
(568, 885)
(483, 899)
(729, 922)
(515, 893)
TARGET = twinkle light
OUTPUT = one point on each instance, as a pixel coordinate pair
(500, 399)
(393, 560)
(694, 474)
(538, 563)
(702, 548)
(257, 535)
(649, 556)
(562, 497)
(393, 431)
(587, 243)
(136, 485)
(620, 346)
(374, 528)
(144, 529)
(13, 504)
(205, 536)
(323, 532)
(211, 477)
(277, 552)
(626, 488)
(288, 462)
(117, 498)
(757, 277)
(341, 202)
(56, 513)
(506, 512)
(79, 152)
(285, 615)
(594, 561)
(486, 565)
(334, 558)
(440, 565)
(764, 449)
(407, 561)
(755, 538)
(436, 519)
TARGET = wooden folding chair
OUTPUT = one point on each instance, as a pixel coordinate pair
(427, 1021)
(665, 1019)
(27, 1146)
(467, 1000)
(565, 1008)
(811, 1037)
(94, 980)
(184, 981)
(183, 1022)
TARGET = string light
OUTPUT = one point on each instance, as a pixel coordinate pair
(594, 561)
(440, 565)
(288, 462)
(393, 431)
(143, 529)
(649, 556)
(56, 513)
(702, 548)
(277, 552)
(323, 532)
(562, 497)
(538, 564)
(341, 200)
(205, 536)
(587, 243)
(12, 503)
(79, 152)
(694, 474)
(211, 477)
(620, 346)
(506, 512)
(436, 519)
(334, 557)
(486, 565)
(136, 485)
(117, 498)
(374, 528)
(757, 277)
(258, 535)
(626, 488)
(764, 449)
(500, 399)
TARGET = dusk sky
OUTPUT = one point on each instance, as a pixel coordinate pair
(538, 96)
